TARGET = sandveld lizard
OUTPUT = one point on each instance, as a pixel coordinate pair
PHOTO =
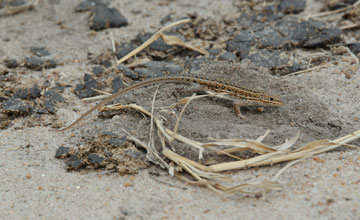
(240, 96)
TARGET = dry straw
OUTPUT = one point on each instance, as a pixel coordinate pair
(197, 173)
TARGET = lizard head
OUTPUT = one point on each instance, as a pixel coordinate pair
(271, 100)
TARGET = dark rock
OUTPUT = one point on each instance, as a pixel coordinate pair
(49, 106)
(270, 38)
(34, 92)
(11, 63)
(31, 93)
(98, 70)
(308, 34)
(157, 69)
(127, 72)
(17, 3)
(62, 152)
(214, 51)
(90, 82)
(40, 111)
(95, 159)
(59, 88)
(326, 36)
(227, 56)
(117, 142)
(73, 162)
(292, 6)
(116, 84)
(88, 5)
(166, 19)
(49, 64)
(21, 94)
(104, 18)
(267, 59)
(34, 63)
(241, 44)
(195, 64)
(269, 14)
(16, 106)
(106, 63)
(247, 20)
(39, 51)
(355, 48)
(124, 49)
(134, 154)
(350, 2)
(53, 96)
(334, 5)
(86, 90)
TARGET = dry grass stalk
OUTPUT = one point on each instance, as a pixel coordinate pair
(309, 69)
(209, 176)
(12, 10)
(340, 10)
(167, 39)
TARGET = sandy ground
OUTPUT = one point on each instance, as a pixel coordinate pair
(35, 185)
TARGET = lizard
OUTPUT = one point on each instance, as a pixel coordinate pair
(241, 96)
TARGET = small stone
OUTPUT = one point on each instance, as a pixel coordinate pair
(106, 63)
(62, 152)
(31, 93)
(214, 51)
(166, 19)
(241, 44)
(40, 111)
(95, 159)
(34, 92)
(34, 63)
(128, 72)
(270, 38)
(49, 106)
(86, 90)
(16, 106)
(59, 88)
(117, 142)
(53, 96)
(124, 49)
(309, 34)
(88, 5)
(98, 70)
(11, 63)
(116, 84)
(21, 94)
(267, 59)
(104, 18)
(73, 162)
(228, 56)
(134, 154)
(292, 6)
(355, 48)
(40, 51)
(49, 64)
(17, 3)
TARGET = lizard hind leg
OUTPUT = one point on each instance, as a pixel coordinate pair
(237, 106)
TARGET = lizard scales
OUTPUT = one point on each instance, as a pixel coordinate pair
(243, 95)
